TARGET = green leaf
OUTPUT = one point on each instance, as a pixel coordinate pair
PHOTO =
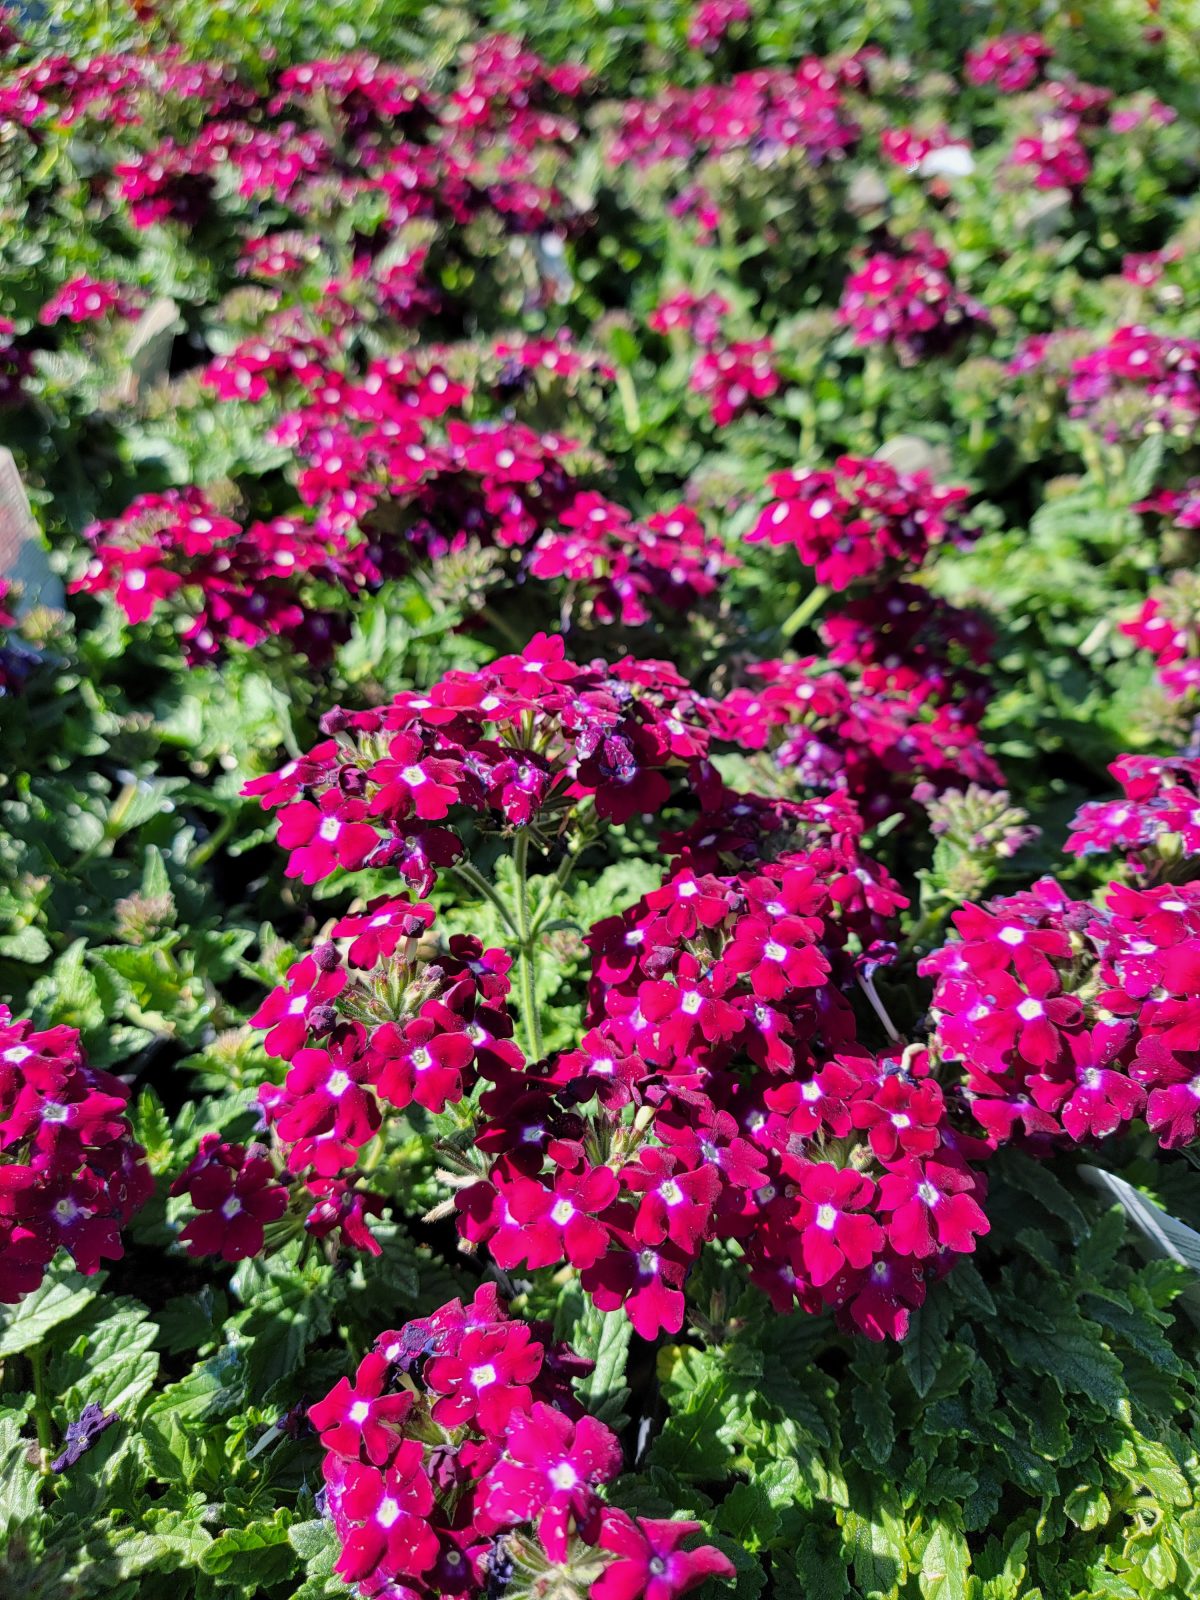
(945, 1564)
(61, 1295)
(251, 1557)
(925, 1344)
(604, 1337)
(747, 1515)
(872, 1409)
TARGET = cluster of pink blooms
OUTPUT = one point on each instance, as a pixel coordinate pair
(1168, 626)
(697, 315)
(1155, 824)
(1056, 153)
(719, 1067)
(1138, 380)
(627, 568)
(370, 1023)
(735, 375)
(765, 112)
(84, 299)
(906, 297)
(71, 1175)
(509, 745)
(460, 1457)
(16, 364)
(1013, 61)
(388, 134)
(225, 583)
(712, 20)
(861, 517)
(826, 730)
(1069, 1020)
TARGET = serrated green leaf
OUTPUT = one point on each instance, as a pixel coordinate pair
(61, 1295)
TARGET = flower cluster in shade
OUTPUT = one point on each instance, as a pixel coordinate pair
(1069, 1019)
(222, 582)
(459, 1458)
(71, 1175)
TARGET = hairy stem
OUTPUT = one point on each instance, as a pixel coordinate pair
(525, 935)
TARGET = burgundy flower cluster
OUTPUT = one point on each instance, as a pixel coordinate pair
(511, 745)
(223, 583)
(372, 1022)
(460, 1458)
(829, 731)
(1012, 61)
(1155, 825)
(86, 299)
(858, 519)
(71, 1175)
(1168, 626)
(627, 569)
(905, 296)
(1068, 1020)
(233, 1188)
(720, 1092)
(1139, 379)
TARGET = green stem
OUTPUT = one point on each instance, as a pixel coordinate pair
(562, 876)
(41, 1411)
(805, 611)
(205, 852)
(525, 949)
(504, 629)
(476, 881)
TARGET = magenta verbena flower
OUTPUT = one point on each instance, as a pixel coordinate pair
(461, 1448)
(71, 1175)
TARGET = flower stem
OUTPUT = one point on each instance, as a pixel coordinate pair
(41, 1411)
(805, 611)
(525, 950)
(476, 881)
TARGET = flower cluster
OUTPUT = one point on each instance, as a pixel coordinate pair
(769, 112)
(84, 299)
(719, 1092)
(734, 375)
(233, 1189)
(906, 297)
(510, 745)
(1056, 153)
(859, 518)
(1156, 824)
(70, 1172)
(625, 568)
(712, 20)
(460, 1458)
(1138, 381)
(1168, 626)
(373, 1021)
(829, 731)
(1069, 1020)
(223, 584)
(1013, 61)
